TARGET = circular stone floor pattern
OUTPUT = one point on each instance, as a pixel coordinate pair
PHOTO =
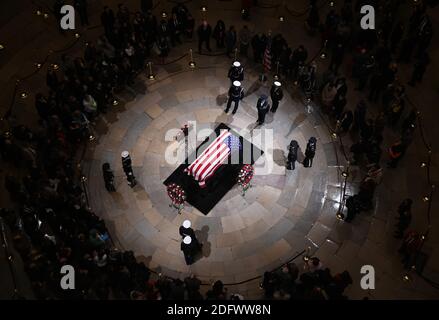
(281, 215)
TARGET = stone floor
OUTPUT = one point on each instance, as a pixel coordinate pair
(284, 212)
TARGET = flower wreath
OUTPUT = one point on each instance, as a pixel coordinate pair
(177, 195)
(245, 175)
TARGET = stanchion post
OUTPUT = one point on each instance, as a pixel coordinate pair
(306, 257)
(84, 188)
(151, 75)
(345, 175)
(277, 76)
(203, 10)
(191, 59)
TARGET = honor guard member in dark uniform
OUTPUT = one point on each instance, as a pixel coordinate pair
(191, 248)
(108, 177)
(310, 152)
(236, 72)
(292, 155)
(236, 93)
(276, 94)
(263, 108)
(128, 169)
(186, 230)
(188, 250)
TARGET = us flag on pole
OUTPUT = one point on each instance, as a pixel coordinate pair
(211, 159)
(267, 57)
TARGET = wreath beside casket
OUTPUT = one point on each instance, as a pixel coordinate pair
(245, 175)
(177, 195)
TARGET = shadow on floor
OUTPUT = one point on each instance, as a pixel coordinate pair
(296, 123)
(279, 157)
(202, 236)
(221, 99)
(118, 200)
(253, 88)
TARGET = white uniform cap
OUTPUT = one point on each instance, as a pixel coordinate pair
(125, 154)
(186, 224)
(236, 64)
(277, 83)
(236, 83)
(187, 240)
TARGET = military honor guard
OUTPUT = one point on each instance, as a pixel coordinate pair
(276, 94)
(236, 93)
(263, 107)
(128, 169)
(236, 72)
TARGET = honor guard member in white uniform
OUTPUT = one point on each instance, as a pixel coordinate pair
(236, 93)
(236, 72)
(276, 95)
(263, 108)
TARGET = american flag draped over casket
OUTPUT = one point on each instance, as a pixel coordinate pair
(211, 159)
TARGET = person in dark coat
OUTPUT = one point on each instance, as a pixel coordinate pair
(219, 34)
(376, 86)
(42, 106)
(360, 115)
(366, 193)
(52, 79)
(419, 69)
(107, 20)
(299, 57)
(190, 26)
(396, 152)
(236, 93)
(409, 123)
(128, 169)
(204, 32)
(410, 247)
(175, 27)
(231, 39)
(338, 105)
(292, 155)
(182, 14)
(342, 88)
(236, 72)
(81, 8)
(396, 37)
(404, 218)
(357, 150)
(146, 5)
(258, 44)
(263, 108)
(276, 94)
(108, 177)
(337, 56)
(310, 152)
(346, 121)
(313, 17)
(353, 206)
